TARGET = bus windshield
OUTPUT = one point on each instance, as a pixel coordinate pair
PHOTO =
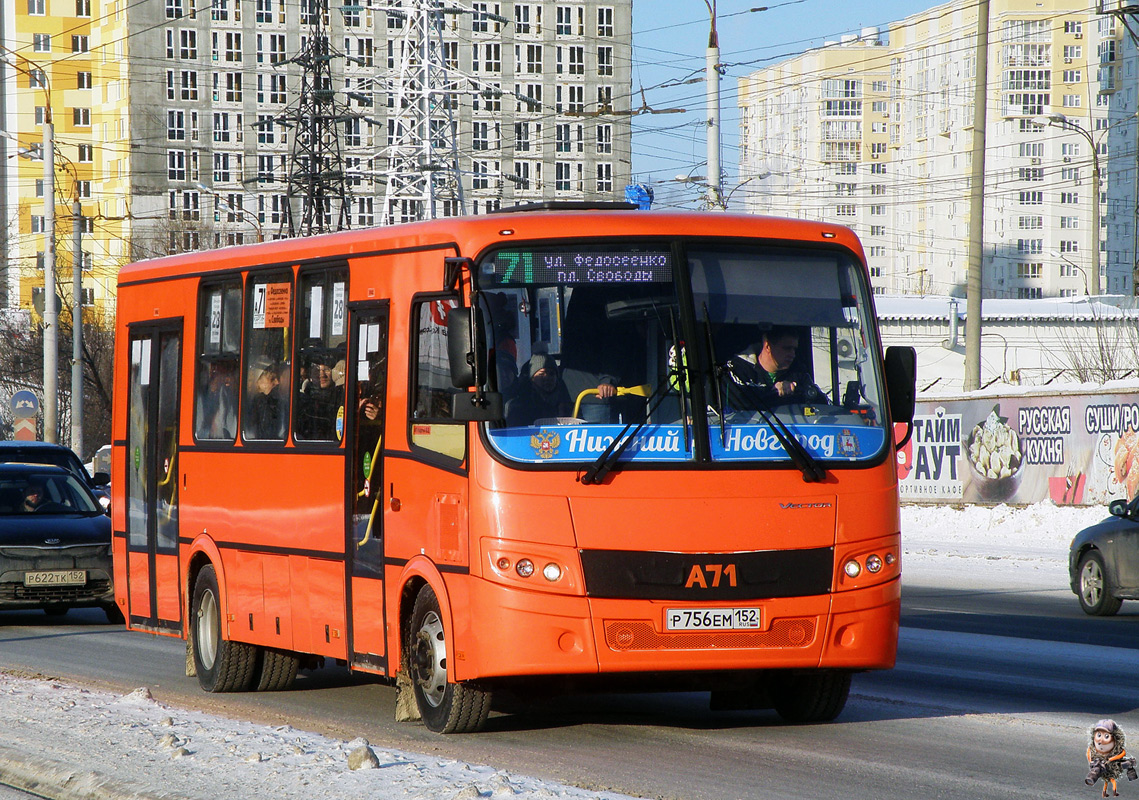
(593, 345)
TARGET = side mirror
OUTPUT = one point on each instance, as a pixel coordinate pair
(1117, 508)
(477, 407)
(901, 382)
(465, 344)
(101, 478)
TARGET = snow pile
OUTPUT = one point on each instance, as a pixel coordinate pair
(130, 746)
(66, 736)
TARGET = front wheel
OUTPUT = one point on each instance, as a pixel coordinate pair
(444, 706)
(1095, 594)
(812, 697)
(222, 665)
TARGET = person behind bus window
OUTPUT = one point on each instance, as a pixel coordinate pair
(264, 413)
(766, 372)
(542, 395)
(217, 404)
(319, 399)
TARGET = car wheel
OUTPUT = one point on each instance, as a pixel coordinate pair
(812, 697)
(222, 665)
(1096, 587)
(444, 706)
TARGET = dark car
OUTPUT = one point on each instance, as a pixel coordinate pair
(34, 452)
(1103, 562)
(55, 542)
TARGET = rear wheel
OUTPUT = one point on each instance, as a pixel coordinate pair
(444, 706)
(1095, 594)
(813, 696)
(278, 670)
(222, 665)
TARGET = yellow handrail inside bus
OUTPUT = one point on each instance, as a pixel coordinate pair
(644, 390)
(376, 502)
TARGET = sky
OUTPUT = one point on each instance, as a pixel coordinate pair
(56, 732)
(669, 42)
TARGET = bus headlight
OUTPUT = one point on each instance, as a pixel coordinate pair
(524, 567)
(873, 563)
(852, 568)
(551, 572)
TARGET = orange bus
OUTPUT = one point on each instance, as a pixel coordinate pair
(538, 448)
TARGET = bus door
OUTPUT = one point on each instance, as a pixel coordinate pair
(367, 383)
(152, 476)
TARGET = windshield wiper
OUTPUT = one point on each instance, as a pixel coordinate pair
(612, 454)
(714, 374)
(800, 456)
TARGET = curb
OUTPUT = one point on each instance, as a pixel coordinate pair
(55, 781)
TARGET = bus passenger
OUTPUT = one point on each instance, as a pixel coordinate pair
(766, 373)
(319, 400)
(217, 405)
(543, 395)
(264, 415)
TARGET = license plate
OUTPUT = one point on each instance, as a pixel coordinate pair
(711, 619)
(63, 577)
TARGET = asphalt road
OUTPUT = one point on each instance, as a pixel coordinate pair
(992, 697)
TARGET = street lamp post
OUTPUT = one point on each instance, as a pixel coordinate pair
(1061, 121)
(51, 310)
(1073, 265)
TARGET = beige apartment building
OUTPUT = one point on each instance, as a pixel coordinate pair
(175, 122)
(876, 132)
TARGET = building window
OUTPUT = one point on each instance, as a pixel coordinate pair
(604, 61)
(562, 176)
(41, 42)
(176, 165)
(1034, 198)
(844, 210)
(604, 139)
(1029, 270)
(1069, 246)
(79, 44)
(86, 153)
(605, 171)
(1034, 246)
(187, 44)
(1070, 223)
(1033, 223)
(82, 80)
(81, 117)
(37, 8)
(605, 22)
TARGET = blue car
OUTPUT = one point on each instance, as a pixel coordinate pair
(55, 542)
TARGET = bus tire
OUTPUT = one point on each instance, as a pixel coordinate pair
(812, 697)
(445, 707)
(278, 670)
(222, 665)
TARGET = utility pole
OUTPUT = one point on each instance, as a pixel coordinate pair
(317, 182)
(51, 308)
(422, 156)
(77, 325)
(974, 282)
(712, 93)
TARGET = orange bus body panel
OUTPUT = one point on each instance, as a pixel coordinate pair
(273, 521)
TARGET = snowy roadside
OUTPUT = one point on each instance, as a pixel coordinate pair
(69, 743)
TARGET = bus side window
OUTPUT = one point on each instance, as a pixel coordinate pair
(318, 382)
(268, 348)
(432, 426)
(219, 354)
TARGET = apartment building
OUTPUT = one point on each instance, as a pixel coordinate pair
(877, 133)
(181, 117)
